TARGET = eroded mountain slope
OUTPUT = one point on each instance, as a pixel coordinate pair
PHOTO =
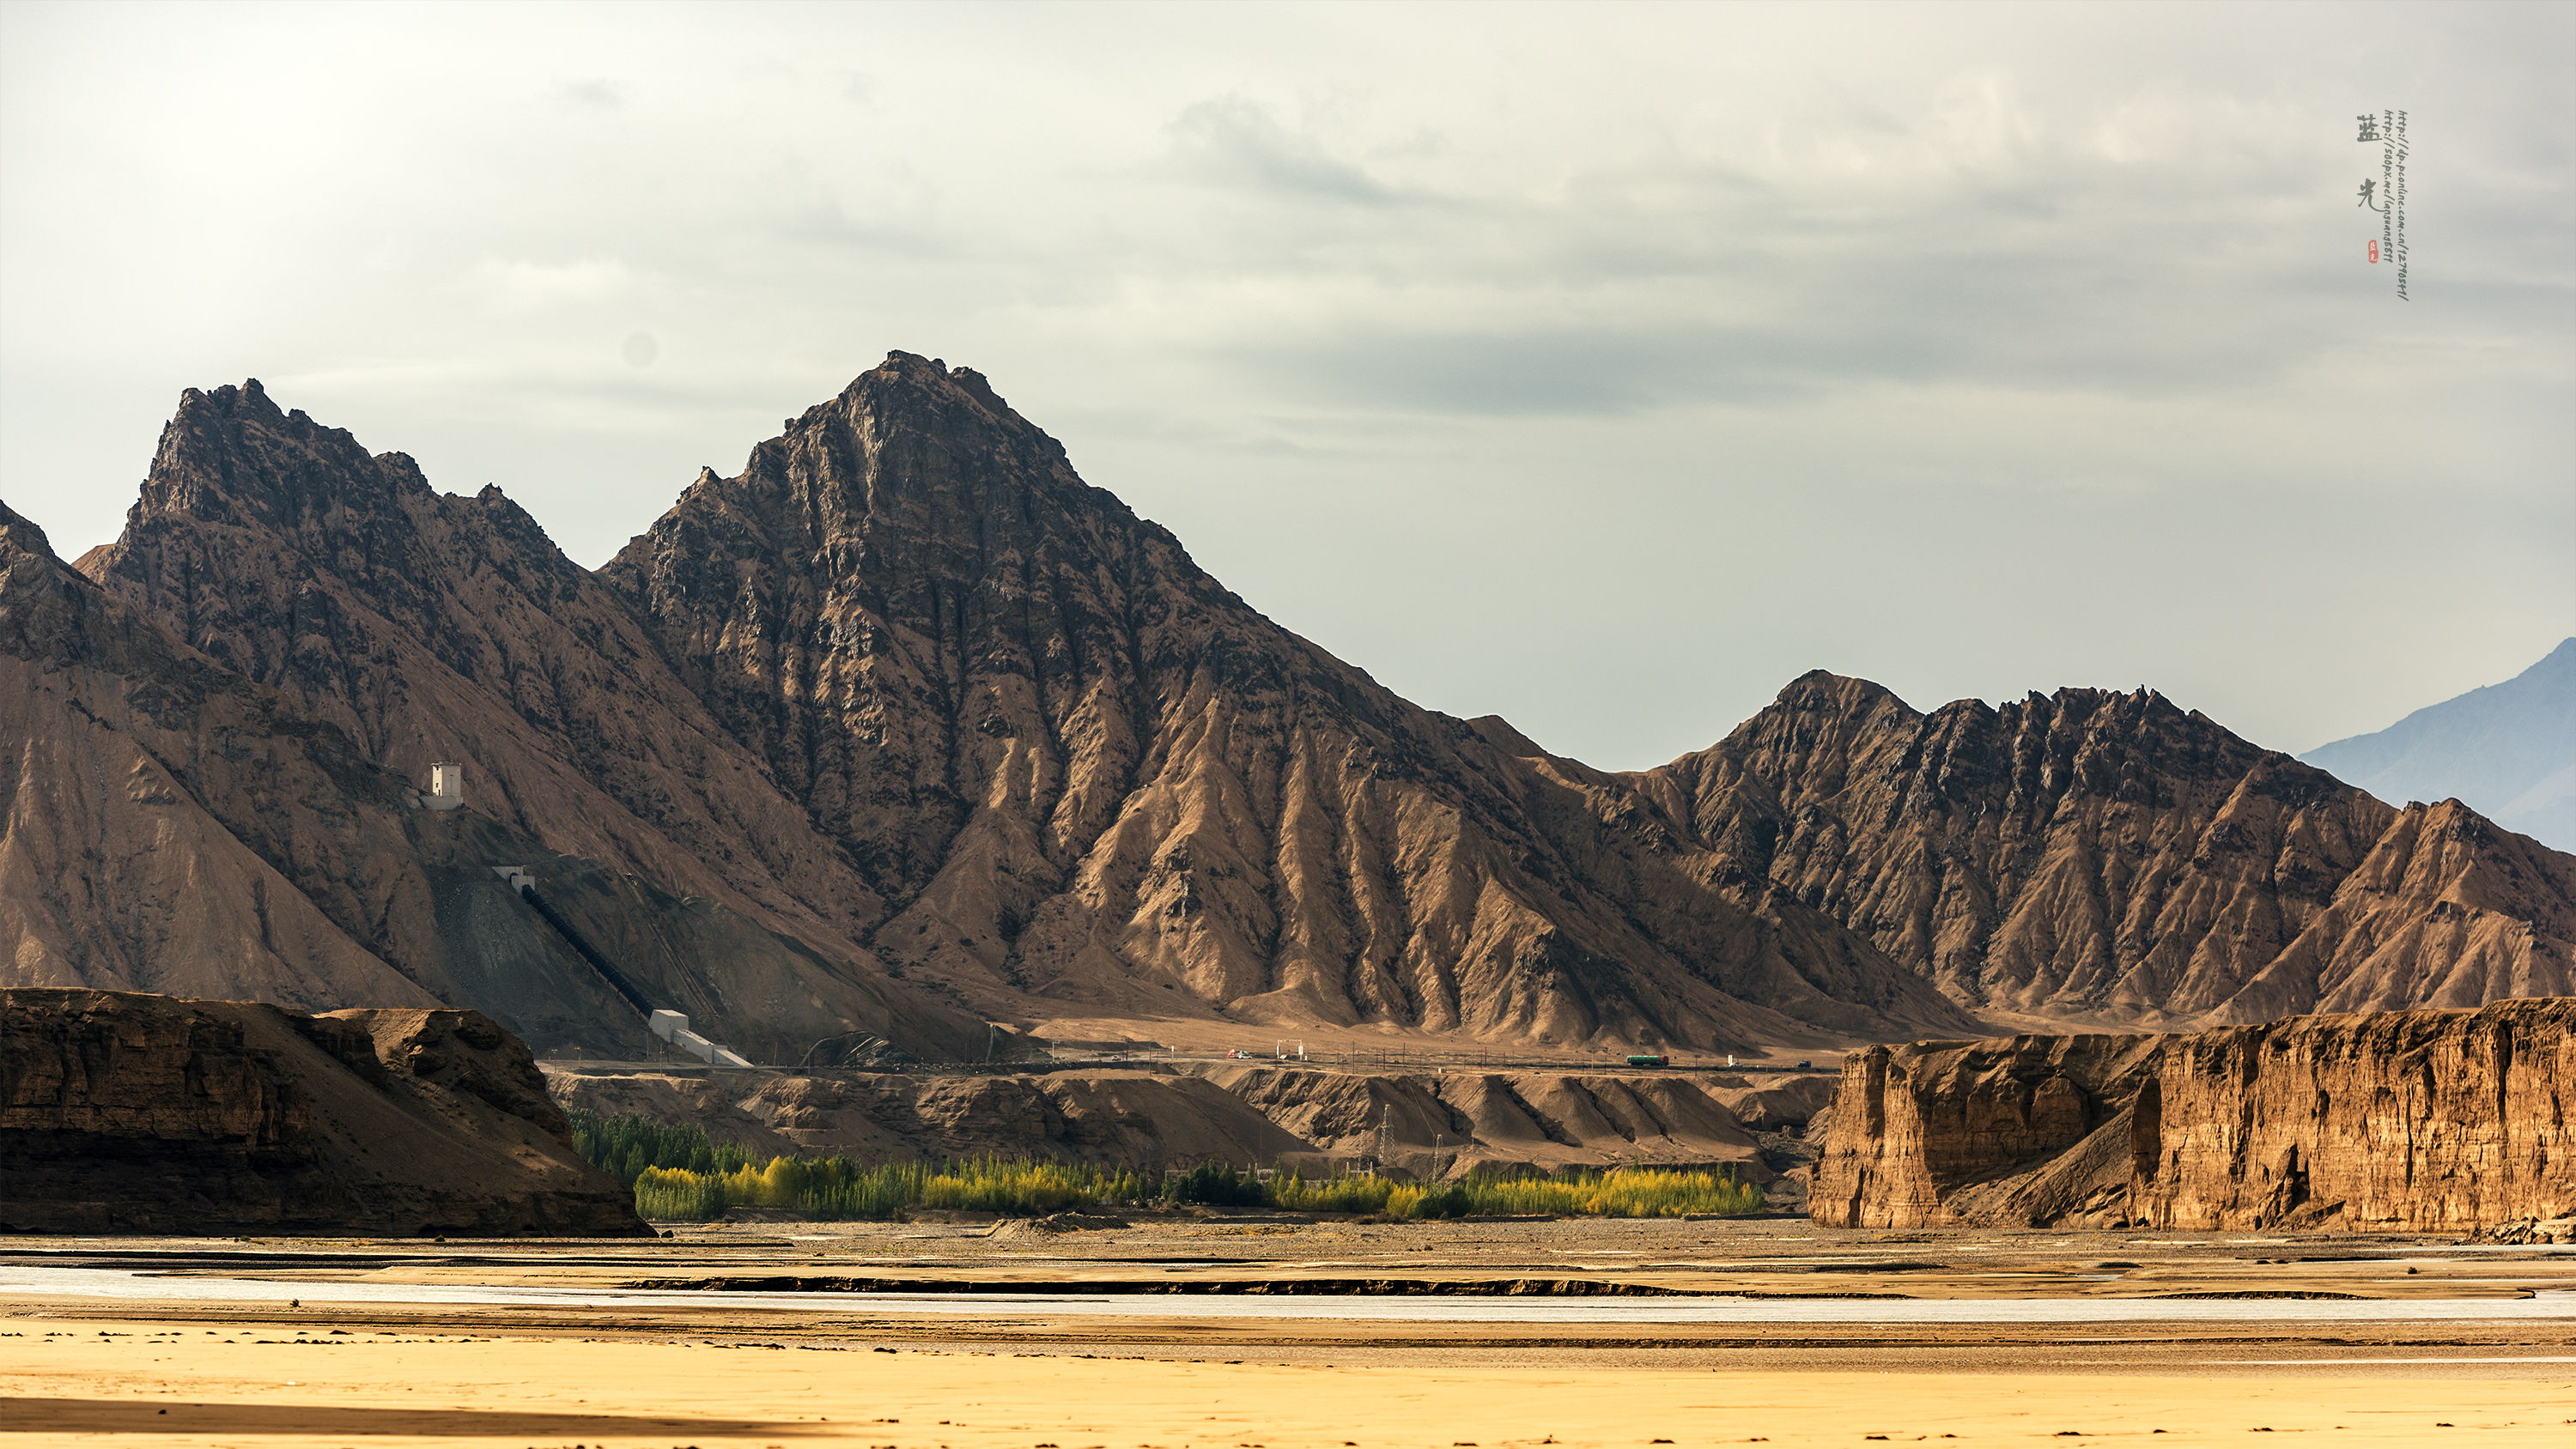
(1089, 776)
(2104, 856)
(172, 826)
(433, 627)
(944, 730)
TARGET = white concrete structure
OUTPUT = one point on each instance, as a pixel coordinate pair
(516, 875)
(446, 787)
(673, 1027)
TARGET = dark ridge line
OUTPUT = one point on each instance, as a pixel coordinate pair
(608, 972)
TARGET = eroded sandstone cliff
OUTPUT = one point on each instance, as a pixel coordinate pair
(131, 1113)
(2442, 1121)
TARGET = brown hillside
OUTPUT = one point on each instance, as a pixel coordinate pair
(905, 727)
(172, 826)
(1090, 780)
(2109, 857)
(431, 627)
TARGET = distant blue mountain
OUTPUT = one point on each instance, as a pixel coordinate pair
(2508, 751)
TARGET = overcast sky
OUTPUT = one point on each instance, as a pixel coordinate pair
(1600, 367)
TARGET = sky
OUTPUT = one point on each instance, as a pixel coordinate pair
(1603, 367)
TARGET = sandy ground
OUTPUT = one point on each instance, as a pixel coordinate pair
(262, 1384)
(171, 1372)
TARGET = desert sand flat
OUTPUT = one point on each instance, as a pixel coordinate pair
(1844, 1337)
(258, 1383)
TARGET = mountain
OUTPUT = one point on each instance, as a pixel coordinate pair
(168, 825)
(1090, 780)
(911, 697)
(906, 727)
(2108, 857)
(2507, 749)
(432, 627)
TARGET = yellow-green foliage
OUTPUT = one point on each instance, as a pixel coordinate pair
(625, 1146)
(835, 1187)
(678, 1174)
(997, 1185)
(1628, 1192)
(1339, 1195)
(669, 1193)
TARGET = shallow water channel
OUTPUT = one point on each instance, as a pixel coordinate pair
(19, 1281)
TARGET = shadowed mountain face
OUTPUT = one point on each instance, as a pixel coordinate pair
(949, 725)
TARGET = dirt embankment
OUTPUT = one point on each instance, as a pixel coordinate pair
(129, 1113)
(2414, 1121)
(1435, 1124)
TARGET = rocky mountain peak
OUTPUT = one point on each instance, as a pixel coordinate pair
(21, 536)
(299, 474)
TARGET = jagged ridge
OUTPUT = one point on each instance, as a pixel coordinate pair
(953, 731)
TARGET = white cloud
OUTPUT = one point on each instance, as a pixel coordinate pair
(1979, 347)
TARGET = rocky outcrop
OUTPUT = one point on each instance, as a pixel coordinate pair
(2109, 858)
(131, 1113)
(1431, 1123)
(2416, 1121)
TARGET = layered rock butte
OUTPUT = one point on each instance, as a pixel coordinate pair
(2414, 1121)
(131, 1113)
(906, 728)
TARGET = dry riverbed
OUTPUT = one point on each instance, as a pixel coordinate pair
(244, 1343)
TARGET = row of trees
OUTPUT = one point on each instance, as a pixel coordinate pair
(678, 1174)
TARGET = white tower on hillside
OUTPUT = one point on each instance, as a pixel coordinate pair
(446, 787)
